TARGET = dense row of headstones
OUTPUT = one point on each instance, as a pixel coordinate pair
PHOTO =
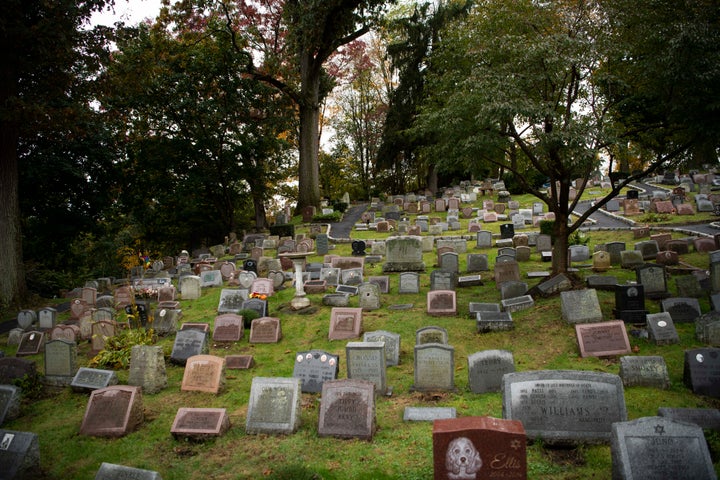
(537, 400)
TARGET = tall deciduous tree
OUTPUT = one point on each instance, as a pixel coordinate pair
(41, 47)
(520, 85)
(287, 44)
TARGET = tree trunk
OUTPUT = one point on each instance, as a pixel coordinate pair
(309, 113)
(259, 209)
(12, 270)
(560, 258)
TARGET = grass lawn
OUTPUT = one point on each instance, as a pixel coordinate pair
(399, 450)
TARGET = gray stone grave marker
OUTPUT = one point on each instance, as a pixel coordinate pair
(9, 402)
(657, 447)
(428, 414)
(580, 306)
(187, 344)
(19, 455)
(661, 329)
(644, 371)
(60, 362)
(403, 254)
(274, 406)
(231, 300)
(314, 368)
(551, 403)
(147, 368)
(434, 367)
(486, 369)
(366, 361)
(409, 282)
(392, 344)
(652, 277)
(705, 418)
(93, 379)
(347, 409)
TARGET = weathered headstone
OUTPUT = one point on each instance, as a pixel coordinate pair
(265, 330)
(368, 296)
(366, 361)
(31, 343)
(431, 334)
(347, 409)
(403, 254)
(392, 344)
(644, 371)
(564, 406)
(60, 362)
(580, 306)
(486, 369)
(93, 379)
(652, 277)
(441, 303)
(409, 282)
(187, 344)
(113, 411)
(228, 328)
(705, 418)
(274, 406)
(434, 367)
(657, 447)
(682, 310)
(9, 403)
(345, 323)
(147, 368)
(200, 423)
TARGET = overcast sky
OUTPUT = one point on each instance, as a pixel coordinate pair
(129, 11)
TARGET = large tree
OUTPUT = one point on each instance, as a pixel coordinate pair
(289, 44)
(42, 49)
(521, 85)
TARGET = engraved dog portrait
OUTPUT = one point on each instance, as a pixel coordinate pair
(462, 459)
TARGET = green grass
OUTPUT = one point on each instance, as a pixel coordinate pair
(399, 450)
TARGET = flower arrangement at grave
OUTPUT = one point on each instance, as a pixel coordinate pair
(118, 348)
(144, 292)
(261, 296)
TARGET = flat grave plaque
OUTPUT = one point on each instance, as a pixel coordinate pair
(428, 414)
(657, 447)
(113, 411)
(315, 367)
(274, 406)
(93, 379)
(347, 409)
(111, 471)
(602, 339)
(564, 406)
(200, 423)
(239, 362)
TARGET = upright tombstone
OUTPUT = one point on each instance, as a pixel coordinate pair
(403, 254)
(661, 329)
(314, 368)
(506, 271)
(483, 239)
(31, 343)
(658, 447)
(347, 409)
(113, 411)
(366, 361)
(274, 406)
(265, 330)
(701, 371)
(614, 249)
(345, 323)
(479, 448)
(369, 296)
(47, 318)
(652, 277)
(431, 334)
(564, 406)
(682, 310)
(204, 373)
(441, 303)
(19, 455)
(392, 344)
(580, 306)
(9, 403)
(486, 369)
(434, 368)
(111, 471)
(409, 282)
(228, 328)
(190, 287)
(60, 362)
(442, 280)
(147, 368)
(630, 303)
(187, 344)
(26, 318)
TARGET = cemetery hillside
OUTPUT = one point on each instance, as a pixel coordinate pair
(435, 322)
(360, 239)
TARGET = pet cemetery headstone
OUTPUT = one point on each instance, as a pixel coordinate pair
(204, 373)
(644, 371)
(506, 271)
(630, 303)
(366, 361)
(564, 406)
(486, 369)
(273, 406)
(479, 448)
(602, 339)
(652, 277)
(200, 423)
(190, 287)
(431, 334)
(403, 254)
(265, 330)
(47, 318)
(231, 300)
(368, 296)
(113, 411)
(706, 418)
(658, 447)
(434, 367)
(239, 362)
(682, 310)
(661, 329)
(9, 402)
(147, 368)
(187, 344)
(488, 321)
(314, 368)
(428, 414)
(228, 328)
(345, 323)
(631, 259)
(347, 409)
(392, 344)
(19, 455)
(31, 343)
(441, 303)
(60, 362)
(580, 306)
(701, 371)
(88, 379)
